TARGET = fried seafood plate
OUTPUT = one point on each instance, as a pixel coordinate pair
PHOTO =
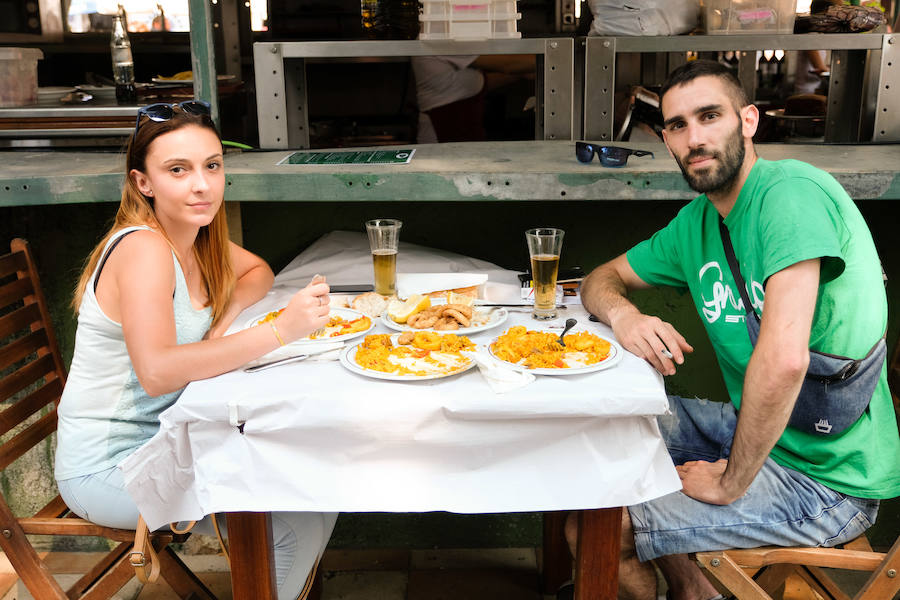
(442, 317)
(418, 353)
(541, 350)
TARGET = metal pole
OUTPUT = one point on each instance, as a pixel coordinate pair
(203, 56)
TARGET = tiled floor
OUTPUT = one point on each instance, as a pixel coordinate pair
(483, 574)
(504, 574)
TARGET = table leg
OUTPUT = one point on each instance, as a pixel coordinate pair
(252, 561)
(597, 563)
(556, 558)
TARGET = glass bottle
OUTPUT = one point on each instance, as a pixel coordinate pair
(122, 62)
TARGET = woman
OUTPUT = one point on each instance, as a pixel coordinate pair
(153, 302)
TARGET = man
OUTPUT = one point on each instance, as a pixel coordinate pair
(813, 275)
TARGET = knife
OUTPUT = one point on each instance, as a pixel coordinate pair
(275, 363)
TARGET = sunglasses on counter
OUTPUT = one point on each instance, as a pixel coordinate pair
(164, 111)
(610, 156)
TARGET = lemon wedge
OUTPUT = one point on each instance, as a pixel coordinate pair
(464, 299)
(401, 311)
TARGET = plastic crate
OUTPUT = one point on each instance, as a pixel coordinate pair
(468, 19)
(728, 17)
(18, 76)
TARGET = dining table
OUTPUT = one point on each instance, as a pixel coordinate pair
(317, 436)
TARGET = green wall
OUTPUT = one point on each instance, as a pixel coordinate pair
(63, 235)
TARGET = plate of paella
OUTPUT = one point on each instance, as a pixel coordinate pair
(539, 352)
(343, 324)
(410, 356)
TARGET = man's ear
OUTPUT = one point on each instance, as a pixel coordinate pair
(141, 181)
(749, 120)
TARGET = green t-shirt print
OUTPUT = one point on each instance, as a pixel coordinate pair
(787, 212)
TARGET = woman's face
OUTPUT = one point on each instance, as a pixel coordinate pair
(184, 177)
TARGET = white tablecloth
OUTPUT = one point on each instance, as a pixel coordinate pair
(319, 438)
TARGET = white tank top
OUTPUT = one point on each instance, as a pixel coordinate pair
(104, 413)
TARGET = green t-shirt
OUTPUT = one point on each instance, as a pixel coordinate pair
(787, 212)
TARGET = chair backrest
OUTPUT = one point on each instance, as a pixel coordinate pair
(32, 373)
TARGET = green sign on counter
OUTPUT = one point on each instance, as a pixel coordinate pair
(351, 157)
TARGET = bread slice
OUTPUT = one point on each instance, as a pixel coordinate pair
(471, 291)
(370, 304)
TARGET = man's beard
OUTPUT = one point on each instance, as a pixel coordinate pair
(716, 179)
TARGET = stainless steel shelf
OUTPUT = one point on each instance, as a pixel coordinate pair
(281, 79)
(847, 110)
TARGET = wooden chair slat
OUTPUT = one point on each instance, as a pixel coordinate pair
(19, 319)
(12, 263)
(30, 404)
(25, 560)
(27, 375)
(79, 527)
(22, 347)
(885, 581)
(729, 573)
(54, 509)
(96, 577)
(25, 440)
(15, 291)
(816, 557)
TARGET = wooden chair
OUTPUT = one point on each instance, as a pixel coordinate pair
(758, 573)
(32, 376)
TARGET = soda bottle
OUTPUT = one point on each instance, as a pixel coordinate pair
(122, 62)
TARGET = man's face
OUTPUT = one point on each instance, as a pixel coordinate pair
(705, 133)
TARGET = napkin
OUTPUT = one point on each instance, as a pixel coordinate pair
(316, 350)
(501, 379)
(425, 283)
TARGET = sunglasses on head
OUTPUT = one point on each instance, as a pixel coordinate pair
(164, 111)
(610, 156)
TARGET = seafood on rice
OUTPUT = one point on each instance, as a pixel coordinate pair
(542, 350)
(419, 353)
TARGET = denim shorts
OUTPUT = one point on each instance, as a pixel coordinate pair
(782, 507)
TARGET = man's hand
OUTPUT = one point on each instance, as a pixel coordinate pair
(651, 338)
(702, 480)
(603, 293)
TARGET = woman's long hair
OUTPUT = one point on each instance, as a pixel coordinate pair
(211, 246)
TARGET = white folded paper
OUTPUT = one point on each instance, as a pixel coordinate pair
(315, 350)
(501, 379)
(425, 283)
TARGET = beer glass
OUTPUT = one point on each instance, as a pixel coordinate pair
(384, 234)
(544, 245)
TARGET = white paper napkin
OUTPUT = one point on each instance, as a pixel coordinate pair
(316, 350)
(500, 379)
(424, 283)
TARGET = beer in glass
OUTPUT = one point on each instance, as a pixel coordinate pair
(384, 235)
(544, 246)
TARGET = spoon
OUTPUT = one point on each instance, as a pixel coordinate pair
(570, 323)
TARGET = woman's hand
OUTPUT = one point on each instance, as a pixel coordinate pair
(307, 311)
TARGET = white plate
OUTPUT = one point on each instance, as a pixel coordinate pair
(495, 316)
(346, 313)
(615, 355)
(348, 359)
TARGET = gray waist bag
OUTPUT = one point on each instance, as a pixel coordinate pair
(837, 389)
